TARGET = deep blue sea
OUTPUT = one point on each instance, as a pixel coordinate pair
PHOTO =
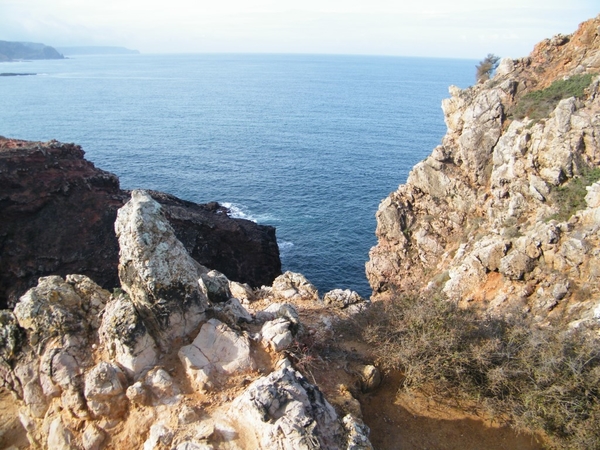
(309, 144)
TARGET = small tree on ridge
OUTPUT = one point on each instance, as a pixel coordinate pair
(486, 67)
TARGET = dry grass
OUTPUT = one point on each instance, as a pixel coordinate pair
(535, 379)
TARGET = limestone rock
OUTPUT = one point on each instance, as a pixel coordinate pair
(358, 434)
(126, 337)
(105, 387)
(293, 285)
(217, 286)
(283, 410)
(217, 351)
(276, 334)
(342, 298)
(155, 269)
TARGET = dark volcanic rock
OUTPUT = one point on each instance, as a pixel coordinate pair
(57, 217)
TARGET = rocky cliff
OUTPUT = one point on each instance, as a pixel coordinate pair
(505, 212)
(58, 213)
(174, 360)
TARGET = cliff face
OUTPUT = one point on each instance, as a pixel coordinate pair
(58, 213)
(483, 218)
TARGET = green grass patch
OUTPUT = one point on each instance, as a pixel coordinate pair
(570, 197)
(539, 104)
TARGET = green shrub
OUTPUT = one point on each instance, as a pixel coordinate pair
(539, 104)
(535, 379)
(570, 197)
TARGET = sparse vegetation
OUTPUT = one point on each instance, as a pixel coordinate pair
(539, 104)
(535, 379)
(486, 67)
(570, 197)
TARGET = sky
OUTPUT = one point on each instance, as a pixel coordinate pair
(429, 28)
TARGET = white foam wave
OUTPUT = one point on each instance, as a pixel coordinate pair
(284, 248)
(238, 212)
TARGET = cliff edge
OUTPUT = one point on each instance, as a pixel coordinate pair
(58, 213)
(505, 213)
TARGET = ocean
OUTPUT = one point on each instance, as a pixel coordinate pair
(307, 143)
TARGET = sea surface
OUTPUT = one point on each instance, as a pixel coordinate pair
(309, 144)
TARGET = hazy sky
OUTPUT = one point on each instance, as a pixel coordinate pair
(440, 28)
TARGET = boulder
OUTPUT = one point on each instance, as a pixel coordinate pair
(105, 386)
(126, 337)
(156, 271)
(216, 353)
(292, 285)
(283, 410)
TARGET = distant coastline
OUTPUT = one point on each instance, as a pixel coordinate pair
(14, 51)
(96, 50)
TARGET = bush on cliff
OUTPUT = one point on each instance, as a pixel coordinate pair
(486, 67)
(539, 104)
(536, 379)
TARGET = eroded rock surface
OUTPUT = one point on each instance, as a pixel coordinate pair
(476, 220)
(147, 368)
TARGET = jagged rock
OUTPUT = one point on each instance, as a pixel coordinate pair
(283, 410)
(342, 298)
(217, 286)
(483, 201)
(59, 437)
(93, 437)
(138, 394)
(233, 312)
(358, 433)
(276, 334)
(52, 308)
(217, 351)
(58, 213)
(293, 285)
(243, 292)
(160, 436)
(155, 269)
(126, 337)
(104, 391)
(162, 386)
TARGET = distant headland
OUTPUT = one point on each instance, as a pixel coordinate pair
(96, 50)
(11, 51)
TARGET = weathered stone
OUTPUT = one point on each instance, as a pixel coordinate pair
(160, 437)
(59, 437)
(515, 265)
(276, 334)
(243, 292)
(342, 298)
(217, 351)
(162, 386)
(358, 433)
(104, 390)
(283, 410)
(126, 337)
(93, 437)
(293, 285)
(217, 286)
(157, 272)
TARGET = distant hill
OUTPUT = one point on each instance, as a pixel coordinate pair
(96, 50)
(10, 51)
